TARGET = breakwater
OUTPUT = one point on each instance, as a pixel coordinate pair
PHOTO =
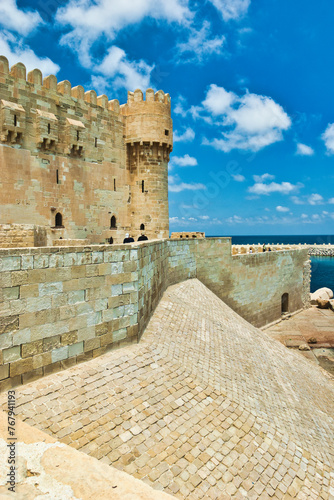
(313, 250)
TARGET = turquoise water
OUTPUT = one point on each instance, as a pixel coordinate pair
(322, 273)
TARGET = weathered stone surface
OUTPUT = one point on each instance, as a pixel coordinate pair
(322, 303)
(205, 405)
(322, 293)
(9, 324)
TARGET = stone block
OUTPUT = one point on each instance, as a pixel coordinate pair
(50, 288)
(9, 324)
(116, 290)
(106, 339)
(119, 335)
(32, 348)
(91, 344)
(76, 296)
(75, 349)
(27, 262)
(69, 338)
(52, 368)
(51, 343)
(10, 263)
(11, 293)
(12, 354)
(94, 318)
(86, 333)
(4, 372)
(21, 366)
(6, 340)
(41, 360)
(60, 354)
(33, 375)
(29, 291)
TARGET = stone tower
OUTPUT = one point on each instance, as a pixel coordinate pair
(149, 141)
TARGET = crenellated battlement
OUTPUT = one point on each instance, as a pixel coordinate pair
(79, 164)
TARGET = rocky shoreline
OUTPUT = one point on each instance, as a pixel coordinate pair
(313, 250)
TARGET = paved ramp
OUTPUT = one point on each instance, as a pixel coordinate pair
(206, 406)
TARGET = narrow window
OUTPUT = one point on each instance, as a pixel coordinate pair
(96, 142)
(194, 236)
(114, 184)
(57, 175)
(143, 186)
(59, 220)
(113, 222)
(166, 132)
(15, 120)
(111, 241)
(78, 135)
(142, 227)
(49, 128)
(187, 235)
(285, 303)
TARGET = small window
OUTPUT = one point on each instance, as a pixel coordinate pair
(15, 120)
(166, 132)
(96, 142)
(142, 227)
(59, 220)
(57, 176)
(111, 240)
(78, 135)
(49, 128)
(143, 186)
(194, 236)
(187, 235)
(285, 303)
(114, 184)
(113, 222)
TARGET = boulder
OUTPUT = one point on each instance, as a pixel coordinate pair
(322, 293)
(312, 340)
(304, 347)
(331, 304)
(323, 303)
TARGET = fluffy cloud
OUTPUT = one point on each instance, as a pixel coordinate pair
(123, 73)
(187, 136)
(331, 201)
(315, 199)
(263, 177)
(231, 9)
(274, 187)
(304, 150)
(184, 161)
(239, 177)
(176, 186)
(328, 138)
(282, 209)
(88, 19)
(16, 50)
(14, 19)
(249, 122)
(199, 45)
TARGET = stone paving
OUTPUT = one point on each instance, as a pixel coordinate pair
(314, 323)
(206, 406)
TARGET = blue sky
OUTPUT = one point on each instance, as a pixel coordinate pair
(252, 93)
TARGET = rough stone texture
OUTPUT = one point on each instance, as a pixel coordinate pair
(321, 293)
(69, 152)
(49, 469)
(206, 406)
(59, 304)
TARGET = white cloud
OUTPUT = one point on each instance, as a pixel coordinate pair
(204, 217)
(249, 122)
(263, 177)
(17, 51)
(266, 189)
(199, 45)
(89, 19)
(176, 186)
(123, 73)
(297, 201)
(328, 138)
(304, 216)
(14, 19)
(331, 200)
(187, 136)
(282, 209)
(218, 100)
(304, 150)
(184, 161)
(231, 9)
(239, 177)
(315, 199)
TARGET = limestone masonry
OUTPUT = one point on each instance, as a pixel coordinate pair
(76, 166)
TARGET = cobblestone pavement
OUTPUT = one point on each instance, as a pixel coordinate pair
(206, 406)
(298, 329)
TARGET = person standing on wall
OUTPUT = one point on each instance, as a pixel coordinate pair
(128, 239)
(142, 237)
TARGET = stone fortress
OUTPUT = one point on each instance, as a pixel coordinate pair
(205, 405)
(75, 166)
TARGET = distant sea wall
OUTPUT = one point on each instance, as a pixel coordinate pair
(313, 250)
(63, 305)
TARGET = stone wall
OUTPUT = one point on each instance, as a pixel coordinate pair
(60, 306)
(22, 236)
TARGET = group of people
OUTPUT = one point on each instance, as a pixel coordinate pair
(129, 239)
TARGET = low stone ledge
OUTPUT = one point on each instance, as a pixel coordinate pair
(46, 467)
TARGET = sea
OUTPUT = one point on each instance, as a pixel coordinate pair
(322, 267)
